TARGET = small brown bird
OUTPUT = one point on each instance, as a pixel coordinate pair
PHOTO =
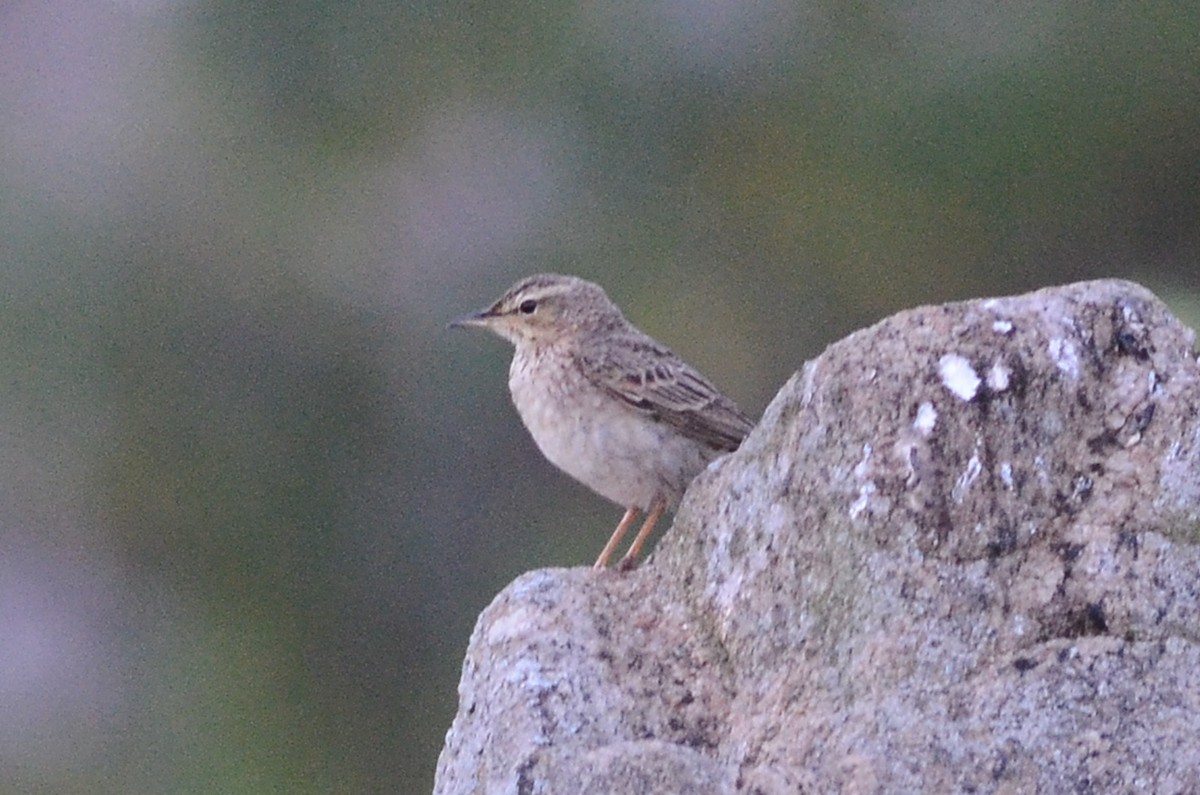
(607, 404)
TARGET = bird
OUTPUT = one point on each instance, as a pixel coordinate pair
(606, 403)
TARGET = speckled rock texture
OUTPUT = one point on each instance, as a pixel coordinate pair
(960, 553)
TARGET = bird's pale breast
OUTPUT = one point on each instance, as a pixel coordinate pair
(618, 452)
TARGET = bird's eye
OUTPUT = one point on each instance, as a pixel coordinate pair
(527, 306)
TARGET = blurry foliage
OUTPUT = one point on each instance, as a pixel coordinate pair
(233, 233)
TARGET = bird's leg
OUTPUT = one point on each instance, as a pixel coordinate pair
(656, 512)
(618, 534)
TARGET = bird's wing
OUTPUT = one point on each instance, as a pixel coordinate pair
(652, 379)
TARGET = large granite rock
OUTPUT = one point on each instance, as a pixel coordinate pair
(961, 552)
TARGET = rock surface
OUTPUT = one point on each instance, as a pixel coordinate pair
(961, 552)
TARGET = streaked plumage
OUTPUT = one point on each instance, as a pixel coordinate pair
(605, 402)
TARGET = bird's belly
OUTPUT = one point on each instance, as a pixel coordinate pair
(620, 454)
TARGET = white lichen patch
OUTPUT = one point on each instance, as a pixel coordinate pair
(866, 489)
(1018, 624)
(969, 476)
(863, 467)
(1006, 475)
(997, 377)
(1062, 352)
(530, 674)
(959, 376)
(1039, 465)
(906, 451)
(865, 492)
(926, 418)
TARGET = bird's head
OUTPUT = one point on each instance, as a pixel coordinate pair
(546, 308)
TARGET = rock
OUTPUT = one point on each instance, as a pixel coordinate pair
(961, 552)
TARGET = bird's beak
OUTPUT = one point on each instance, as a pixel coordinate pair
(480, 318)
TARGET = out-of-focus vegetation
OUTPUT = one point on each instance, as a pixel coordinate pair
(254, 492)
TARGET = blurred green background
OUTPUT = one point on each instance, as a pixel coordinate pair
(255, 493)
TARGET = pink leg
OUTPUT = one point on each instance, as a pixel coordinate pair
(656, 512)
(618, 534)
